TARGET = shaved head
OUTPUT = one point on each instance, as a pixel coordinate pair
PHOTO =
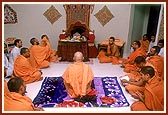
(78, 56)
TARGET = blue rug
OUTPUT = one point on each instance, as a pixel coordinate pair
(53, 92)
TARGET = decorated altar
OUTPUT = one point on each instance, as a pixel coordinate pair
(77, 26)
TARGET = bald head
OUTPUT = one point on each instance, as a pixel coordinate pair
(78, 56)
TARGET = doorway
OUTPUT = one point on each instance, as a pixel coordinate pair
(144, 20)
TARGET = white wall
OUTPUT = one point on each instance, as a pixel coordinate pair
(117, 26)
(32, 23)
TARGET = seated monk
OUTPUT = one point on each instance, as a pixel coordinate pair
(23, 68)
(78, 79)
(38, 55)
(51, 54)
(129, 64)
(156, 60)
(112, 55)
(153, 97)
(14, 96)
(135, 83)
(145, 42)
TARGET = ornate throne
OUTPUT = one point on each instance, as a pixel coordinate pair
(83, 30)
(77, 20)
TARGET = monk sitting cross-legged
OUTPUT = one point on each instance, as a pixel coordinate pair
(14, 96)
(135, 82)
(112, 55)
(24, 69)
(129, 64)
(78, 79)
(38, 55)
(153, 97)
(145, 42)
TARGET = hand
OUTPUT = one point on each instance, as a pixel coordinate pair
(141, 97)
(132, 80)
(124, 81)
(138, 95)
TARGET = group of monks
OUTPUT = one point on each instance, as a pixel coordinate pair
(78, 79)
(27, 62)
(146, 74)
(146, 55)
(23, 66)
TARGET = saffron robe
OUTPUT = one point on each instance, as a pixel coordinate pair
(144, 44)
(23, 69)
(153, 96)
(38, 56)
(129, 63)
(51, 54)
(113, 52)
(135, 75)
(77, 79)
(16, 102)
(158, 62)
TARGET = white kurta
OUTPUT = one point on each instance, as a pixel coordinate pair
(8, 66)
(13, 54)
(161, 53)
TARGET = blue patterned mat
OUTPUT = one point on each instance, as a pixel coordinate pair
(53, 92)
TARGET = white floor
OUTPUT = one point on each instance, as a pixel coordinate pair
(100, 70)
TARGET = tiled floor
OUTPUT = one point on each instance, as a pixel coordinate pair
(100, 70)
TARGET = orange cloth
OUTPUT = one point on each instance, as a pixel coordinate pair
(6, 90)
(129, 66)
(144, 44)
(38, 56)
(23, 69)
(77, 79)
(103, 58)
(113, 52)
(51, 54)
(134, 88)
(158, 62)
(135, 75)
(16, 102)
(153, 100)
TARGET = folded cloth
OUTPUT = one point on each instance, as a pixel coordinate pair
(70, 103)
(107, 100)
(93, 92)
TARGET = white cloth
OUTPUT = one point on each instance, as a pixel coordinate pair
(131, 49)
(8, 66)
(161, 53)
(151, 45)
(13, 54)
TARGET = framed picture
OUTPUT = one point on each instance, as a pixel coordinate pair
(10, 16)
